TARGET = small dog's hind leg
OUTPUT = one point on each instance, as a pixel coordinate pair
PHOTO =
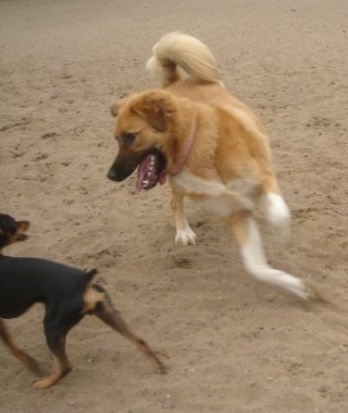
(106, 312)
(21, 355)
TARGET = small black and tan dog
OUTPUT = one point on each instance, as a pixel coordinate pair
(68, 295)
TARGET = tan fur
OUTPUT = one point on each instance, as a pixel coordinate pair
(179, 49)
(228, 144)
(176, 51)
(91, 298)
(212, 140)
(228, 169)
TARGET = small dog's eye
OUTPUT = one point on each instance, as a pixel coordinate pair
(128, 138)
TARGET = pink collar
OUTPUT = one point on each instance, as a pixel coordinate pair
(184, 150)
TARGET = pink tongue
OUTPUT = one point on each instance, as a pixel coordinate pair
(142, 171)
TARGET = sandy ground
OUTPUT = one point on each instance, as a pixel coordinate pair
(232, 345)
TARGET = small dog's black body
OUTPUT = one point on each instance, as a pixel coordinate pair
(59, 287)
(67, 293)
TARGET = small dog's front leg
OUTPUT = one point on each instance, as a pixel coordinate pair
(184, 233)
(21, 355)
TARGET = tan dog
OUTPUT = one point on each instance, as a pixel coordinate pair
(217, 154)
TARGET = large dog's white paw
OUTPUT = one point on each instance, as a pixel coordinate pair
(186, 236)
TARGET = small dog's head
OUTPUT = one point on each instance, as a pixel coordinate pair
(144, 132)
(11, 230)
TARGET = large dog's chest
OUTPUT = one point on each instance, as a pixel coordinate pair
(215, 196)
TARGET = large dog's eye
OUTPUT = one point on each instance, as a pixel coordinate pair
(128, 138)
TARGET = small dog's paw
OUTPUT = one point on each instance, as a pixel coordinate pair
(42, 384)
(186, 236)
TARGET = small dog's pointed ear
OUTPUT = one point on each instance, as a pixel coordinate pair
(23, 226)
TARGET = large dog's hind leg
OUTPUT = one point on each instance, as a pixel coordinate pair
(247, 234)
(21, 355)
(275, 208)
(184, 233)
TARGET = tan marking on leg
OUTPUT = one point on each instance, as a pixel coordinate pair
(112, 318)
(64, 367)
(91, 298)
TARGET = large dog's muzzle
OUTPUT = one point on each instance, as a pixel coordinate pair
(124, 165)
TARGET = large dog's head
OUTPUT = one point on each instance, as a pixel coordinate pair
(145, 135)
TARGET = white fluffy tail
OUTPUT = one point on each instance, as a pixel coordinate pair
(178, 50)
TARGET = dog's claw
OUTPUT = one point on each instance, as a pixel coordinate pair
(186, 236)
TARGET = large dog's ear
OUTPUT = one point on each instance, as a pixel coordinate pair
(115, 107)
(154, 109)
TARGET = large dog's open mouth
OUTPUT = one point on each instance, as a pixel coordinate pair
(151, 170)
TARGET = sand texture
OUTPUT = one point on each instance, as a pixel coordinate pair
(232, 345)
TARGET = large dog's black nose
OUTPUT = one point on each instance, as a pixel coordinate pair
(114, 175)
(124, 165)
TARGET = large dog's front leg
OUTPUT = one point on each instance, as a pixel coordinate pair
(184, 232)
(247, 234)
